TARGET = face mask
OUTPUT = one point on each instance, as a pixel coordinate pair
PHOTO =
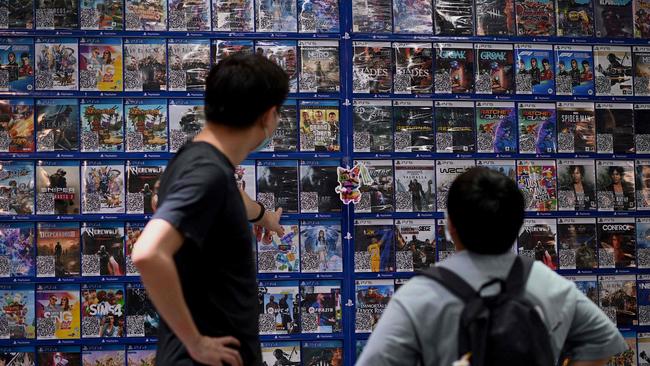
(264, 143)
(447, 235)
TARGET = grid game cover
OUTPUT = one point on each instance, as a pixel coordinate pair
(145, 63)
(17, 247)
(100, 64)
(574, 74)
(537, 123)
(18, 312)
(57, 187)
(101, 15)
(374, 246)
(186, 119)
(454, 127)
(146, 125)
(57, 125)
(373, 126)
(321, 309)
(320, 246)
(575, 18)
(285, 55)
(372, 297)
(58, 248)
(372, 67)
(577, 185)
(56, 64)
(494, 74)
(614, 128)
(232, 16)
(415, 188)
(17, 65)
(495, 17)
(102, 311)
(538, 240)
(413, 68)
(413, 126)
(57, 311)
(277, 184)
(613, 66)
(379, 195)
(141, 179)
(537, 181)
(496, 127)
(454, 68)
(615, 185)
(102, 125)
(102, 187)
(535, 69)
(577, 243)
(189, 64)
(16, 187)
(146, 15)
(415, 245)
(319, 67)
(576, 127)
(279, 307)
(102, 252)
(318, 180)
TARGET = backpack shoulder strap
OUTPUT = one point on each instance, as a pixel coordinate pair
(451, 281)
(518, 276)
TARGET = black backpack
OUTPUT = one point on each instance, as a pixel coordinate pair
(503, 329)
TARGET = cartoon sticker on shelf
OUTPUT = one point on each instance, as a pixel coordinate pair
(350, 181)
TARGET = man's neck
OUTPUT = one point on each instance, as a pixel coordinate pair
(230, 142)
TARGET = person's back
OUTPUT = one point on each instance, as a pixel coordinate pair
(421, 324)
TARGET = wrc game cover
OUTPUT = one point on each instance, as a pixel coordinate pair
(446, 172)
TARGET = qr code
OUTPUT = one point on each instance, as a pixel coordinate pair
(567, 259)
(177, 20)
(402, 83)
(307, 142)
(5, 266)
(131, 269)
(266, 261)
(309, 322)
(46, 328)
(364, 203)
(527, 144)
(566, 200)
(444, 142)
(527, 253)
(5, 332)
(134, 202)
(642, 143)
(87, 80)
(267, 323)
(133, 21)
(132, 81)
(444, 254)
(88, 18)
(308, 82)
(44, 80)
(177, 80)
(92, 203)
(361, 141)
(89, 141)
(177, 139)
(266, 22)
(310, 262)
(605, 259)
(5, 204)
(563, 85)
(402, 140)
(307, 23)
(90, 265)
(485, 142)
(90, 326)
(360, 82)
(441, 200)
(4, 17)
(603, 85)
(529, 199)
(641, 86)
(605, 200)
(566, 142)
(605, 143)
(267, 199)
(524, 84)
(364, 322)
(362, 262)
(135, 326)
(644, 315)
(484, 84)
(45, 18)
(404, 261)
(46, 142)
(643, 257)
(403, 201)
(610, 311)
(443, 82)
(4, 79)
(45, 203)
(45, 266)
(308, 201)
(134, 141)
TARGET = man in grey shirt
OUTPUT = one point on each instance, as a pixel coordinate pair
(485, 213)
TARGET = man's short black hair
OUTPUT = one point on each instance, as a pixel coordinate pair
(487, 210)
(241, 87)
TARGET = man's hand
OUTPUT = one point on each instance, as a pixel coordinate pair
(271, 221)
(215, 351)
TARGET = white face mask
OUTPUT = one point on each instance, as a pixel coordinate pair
(264, 143)
(447, 235)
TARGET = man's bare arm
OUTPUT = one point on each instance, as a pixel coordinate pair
(270, 220)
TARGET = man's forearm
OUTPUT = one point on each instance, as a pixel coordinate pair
(251, 206)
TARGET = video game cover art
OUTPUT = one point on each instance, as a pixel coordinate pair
(279, 307)
(494, 74)
(57, 187)
(320, 246)
(641, 70)
(372, 297)
(58, 249)
(57, 64)
(372, 16)
(57, 14)
(629, 355)
(57, 125)
(102, 311)
(324, 352)
(18, 14)
(374, 246)
(413, 126)
(17, 248)
(454, 127)
(146, 15)
(537, 128)
(372, 67)
(57, 311)
(101, 15)
(415, 245)
(285, 136)
(285, 55)
(141, 316)
(413, 68)
(496, 127)
(446, 172)
(141, 180)
(146, 125)
(643, 242)
(318, 16)
(189, 64)
(379, 195)
(505, 167)
(223, 48)
(415, 188)
(16, 187)
(102, 252)
(141, 355)
(145, 62)
(245, 177)
(577, 185)
(576, 127)
(615, 128)
(319, 67)
(495, 17)
(18, 312)
(319, 126)
(275, 253)
(444, 243)
(535, 69)
(643, 184)
(276, 16)
(17, 125)
(373, 126)
(588, 285)
(453, 17)
(538, 240)
(574, 74)
(321, 308)
(17, 65)
(641, 128)
(103, 187)
(412, 16)
(535, 17)
(102, 125)
(577, 243)
(186, 119)
(318, 180)
(613, 70)
(643, 342)
(277, 184)
(59, 355)
(618, 299)
(641, 20)
(615, 185)
(454, 68)
(537, 181)
(575, 18)
(133, 229)
(232, 16)
(103, 355)
(189, 15)
(281, 353)
(16, 355)
(614, 18)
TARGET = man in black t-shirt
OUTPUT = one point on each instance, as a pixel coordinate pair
(195, 256)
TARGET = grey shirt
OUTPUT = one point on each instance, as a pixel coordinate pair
(421, 321)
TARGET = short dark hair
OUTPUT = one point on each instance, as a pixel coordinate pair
(580, 168)
(618, 169)
(241, 87)
(487, 210)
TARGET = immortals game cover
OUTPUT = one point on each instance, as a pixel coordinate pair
(19, 14)
(372, 297)
(446, 172)
(285, 55)
(614, 128)
(141, 355)
(101, 15)
(415, 245)
(100, 64)
(538, 240)
(279, 303)
(618, 299)
(17, 65)
(57, 187)
(318, 16)
(19, 312)
(454, 127)
(287, 353)
(102, 187)
(495, 17)
(577, 243)
(275, 253)
(142, 176)
(372, 67)
(577, 185)
(319, 67)
(496, 127)
(574, 74)
(576, 127)
(318, 181)
(372, 16)
(374, 246)
(614, 18)
(57, 14)
(58, 249)
(17, 125)
(454, 68)
(102, 125)
(537, 123)
(537, 181)
(276, 16)
(145, 62)
(613, 70)
(535, 17)
(326, 352)
(186, 119)
(103, 355)
(641, 70)
(102, 252)
(57, 125)
(133, 229)
(321, 308)
(232, 16)
(57, 311)
(642, 128)
(615, 185)
(413, 68)
(285, 136)
(189, 64)
(535, 69)
(494, 74)
(146, 125)
(223, 48)
(413, 126)
(189, 15)
(319, 126)
(575, 18)
(643, 184)
(53, 355)
(103, 311)
(320, 246)
(16, 187)
(277, 184)
(373, 126)
(641, 20)
(453, 17)
(17, 247)
(412, 16)
(141, 316)
(379, 195)
(146, 15)
(415, 186)
(57, 64)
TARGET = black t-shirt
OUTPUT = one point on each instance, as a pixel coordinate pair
(198, 195)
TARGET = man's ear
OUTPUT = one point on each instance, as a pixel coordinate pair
(268, 118)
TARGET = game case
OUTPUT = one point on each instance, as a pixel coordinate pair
(276, 16)
(613, 66)
(379, 195)
(415, 245)
(318, 180)
(17, 14)
(17, 125)
(56, 64)
(614, 18)
(284, 54)
(643, 185)
(455, 127)
(146, 125)
(616, 242)
(575, 18)
(141, 316)
(535, 69)
(505, 167)
(535, 17)
(59, 355)
(576, 127)
(643, 344)
(577, 182)
(643, 242)
(318, 16)
(537, 122)
(232, 16)
(577, 243)
(372, 16)
(642, 128)
(587, 284)
(102, 310)
(113, 354)
(614, 128)
(277, 184)
(641, 69)
(146, 15)
(373, 126)
(627, 357)
(145, 62)
(189, 64)
(615, 185)
(186, 119)
(189, 15)
(415, 186)
(496, 127)
(446, 172)
(279, 307)
(17, 65)
(573, 74)
(57, 14)
(101, 15)
(16, 355)
(413, 68)
(57, 125)
(325, 352)
(141, 355)
(285, 137)
(281, 353)
(224, 48)
(319, 67)
(412, 16)
(102, 125)
(16, 187)
(17, 246)
(57, 187)
(372, 298)
(360, 345)
(494, 74)
(445, 245)
(454, 68)
(618, 299)
(321, 309)
(142, 177)
(133, 229)
(102, 252)
(320, 246)
(245, 177)
(372, 67)
(495, 18)
(538, 240)
(413, 125)
(537, 181)
(102, 186)
(277, 254)
(641, 18)
(374, 247)
(454, 18)
(319, 126)
(57, 311)
(58, 249)
(18, 312)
